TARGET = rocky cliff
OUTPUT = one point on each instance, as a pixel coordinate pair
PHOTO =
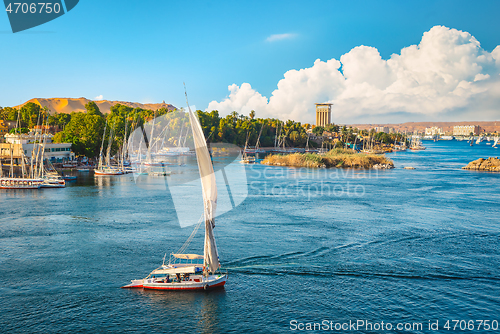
(490, 165)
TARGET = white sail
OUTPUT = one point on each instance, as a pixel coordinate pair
(496, 141)
(209, 189)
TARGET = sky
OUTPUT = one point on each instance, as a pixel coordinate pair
(376, 61)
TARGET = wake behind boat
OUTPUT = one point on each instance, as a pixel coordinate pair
(199, 272)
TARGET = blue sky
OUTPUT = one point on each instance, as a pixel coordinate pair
(142, 51)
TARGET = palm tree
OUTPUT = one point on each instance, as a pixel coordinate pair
(252, 114)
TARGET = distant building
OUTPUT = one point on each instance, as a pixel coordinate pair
(433, 131)
(466, 130)
(384, 129)
(60, 152)
(323, 114)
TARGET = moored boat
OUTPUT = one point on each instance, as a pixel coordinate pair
(20, 183)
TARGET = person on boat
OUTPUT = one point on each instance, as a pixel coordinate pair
(178, 278)
(167, 279)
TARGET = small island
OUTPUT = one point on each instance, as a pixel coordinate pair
(489, 165)
(339, 158)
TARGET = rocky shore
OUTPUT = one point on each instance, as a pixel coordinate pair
(489, 165)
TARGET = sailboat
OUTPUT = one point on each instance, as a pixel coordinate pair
(496, 142)
(12, 182)
(26, 181)
(185, 272)
(257, 148)
(104, 170)
(307, 148)
(416, 144)
(246, 158)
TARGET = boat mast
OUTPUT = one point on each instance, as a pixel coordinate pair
(99, 167)
(108, 149)
(34, 146)
(124, 144)
(257, 144)
(11, 160)
(40, 173)
(276, 134)
(151, 138)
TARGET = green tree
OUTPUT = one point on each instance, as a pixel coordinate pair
(318, 130)
(92, 108)
(84, 131)
(252, 114)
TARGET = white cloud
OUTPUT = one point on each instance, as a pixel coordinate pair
(97, 98)
(447, 76)
(279, 37)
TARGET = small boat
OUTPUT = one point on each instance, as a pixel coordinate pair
(247, 159)
(199, 272)
(155, 163)
(69, 177)
(53, 180)
(83, 170)
(164, 173)
(107, 171)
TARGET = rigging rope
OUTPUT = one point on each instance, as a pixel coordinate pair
(188, 241)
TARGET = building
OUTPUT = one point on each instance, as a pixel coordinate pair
(60, 152)
(323, 114)
(384, 129)
(466, 130)
(433, 131)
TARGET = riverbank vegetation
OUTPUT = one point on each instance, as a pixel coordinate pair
(339, 158)
(85, 129)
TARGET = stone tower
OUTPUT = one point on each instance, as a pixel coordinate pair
(323, 114)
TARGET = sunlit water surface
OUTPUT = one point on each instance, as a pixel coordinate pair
(397, 246)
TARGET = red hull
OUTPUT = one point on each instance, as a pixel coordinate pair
(218, 285)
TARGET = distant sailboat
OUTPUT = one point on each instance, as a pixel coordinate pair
(257, 148)
(27, 180)
(195, 275)
(247, 159)
(105, 170)
(416, 144)
(496, 142)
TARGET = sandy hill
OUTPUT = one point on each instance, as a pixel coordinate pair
(68, 105)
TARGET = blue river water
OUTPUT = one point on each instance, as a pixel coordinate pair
(306, 246)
